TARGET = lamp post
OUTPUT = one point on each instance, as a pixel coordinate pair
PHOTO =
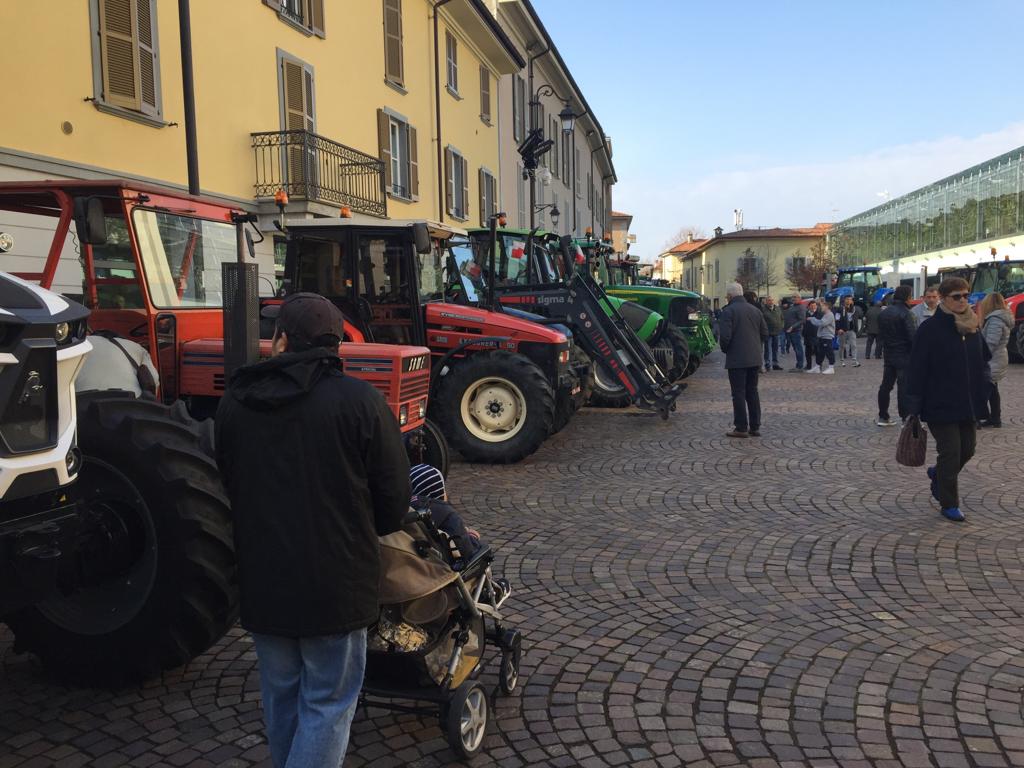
(535, 145)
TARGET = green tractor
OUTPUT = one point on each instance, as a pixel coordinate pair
(686, 310)
(530, 264)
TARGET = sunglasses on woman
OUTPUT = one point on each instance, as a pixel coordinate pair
(958, 296)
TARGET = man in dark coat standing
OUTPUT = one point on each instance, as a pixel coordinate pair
(743, 333)
(315, 468)
(896, 328)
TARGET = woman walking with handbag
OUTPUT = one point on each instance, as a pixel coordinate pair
(948, 365)
(996, 325)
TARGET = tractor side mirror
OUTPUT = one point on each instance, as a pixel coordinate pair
(90, 224)
(421, 236)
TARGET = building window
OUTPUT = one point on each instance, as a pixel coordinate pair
(590, 190)
(398, 150)
(126, 62)
(520, 196)
(307, 15)
(485, 95)
(457, 186)
(488, 196)
(518, 108)
(718, 274)
(798, 263)
(566, 159)
(576, 165)
(393, 57)
(555, 162)
(451, 46)
(298, 113)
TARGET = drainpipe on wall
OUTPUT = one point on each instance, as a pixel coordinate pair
(575, 175)
(189, 95)
(437, 109)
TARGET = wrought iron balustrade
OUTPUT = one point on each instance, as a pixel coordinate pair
(312, 167)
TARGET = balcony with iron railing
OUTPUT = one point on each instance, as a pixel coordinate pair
(316, 169)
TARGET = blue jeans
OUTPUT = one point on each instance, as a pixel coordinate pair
(310, 688)
(796, 340)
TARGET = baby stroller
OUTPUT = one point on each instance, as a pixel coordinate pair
(432, 632)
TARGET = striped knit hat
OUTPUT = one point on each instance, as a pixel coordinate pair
(427, 482)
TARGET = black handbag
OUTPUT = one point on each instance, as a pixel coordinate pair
(913, 443)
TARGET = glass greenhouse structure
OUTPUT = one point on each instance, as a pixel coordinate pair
(979, 204)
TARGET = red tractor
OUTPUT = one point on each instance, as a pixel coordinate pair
(143, 572)
(494, 378)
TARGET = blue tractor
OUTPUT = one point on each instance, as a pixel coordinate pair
(863, 283)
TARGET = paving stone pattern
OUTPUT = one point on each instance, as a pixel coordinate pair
(788, 600)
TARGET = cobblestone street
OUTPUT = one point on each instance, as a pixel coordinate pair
(789, 600)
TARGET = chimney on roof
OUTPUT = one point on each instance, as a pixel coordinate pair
(718, 231)
(689, 237)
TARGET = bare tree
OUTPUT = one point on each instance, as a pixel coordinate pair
(801, 272)
(747, 269)
(767, 273)
(683, 234)
(823, 261)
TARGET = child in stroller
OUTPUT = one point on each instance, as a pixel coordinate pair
(436, 593)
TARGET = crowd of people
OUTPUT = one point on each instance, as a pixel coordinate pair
(944, 358)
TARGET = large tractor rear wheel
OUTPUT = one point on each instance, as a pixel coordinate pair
(674, 340)
(435, 447)
(152, 581)
(494, 407)
(1015, 346)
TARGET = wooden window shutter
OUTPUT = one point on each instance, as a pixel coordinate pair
(414, 165)
(146, 24)
(485, 94)
(316, 17)
(493, 184)
(465, 187)
(384, 144)
(449, 175)
(118, 52)
(393, 62)
(298, 114)
(482, 184)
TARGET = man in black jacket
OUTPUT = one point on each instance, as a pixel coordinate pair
(896, 330)
(743, 332)
(314, 465)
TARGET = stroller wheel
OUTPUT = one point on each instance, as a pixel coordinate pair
(466, 719)
(508, 676)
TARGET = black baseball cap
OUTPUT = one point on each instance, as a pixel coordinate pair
(308, 317)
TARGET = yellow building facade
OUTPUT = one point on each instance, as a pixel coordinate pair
(336, 101)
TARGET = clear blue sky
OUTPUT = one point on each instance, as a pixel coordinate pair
(794, 111)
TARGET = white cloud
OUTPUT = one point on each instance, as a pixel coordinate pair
(797, 195)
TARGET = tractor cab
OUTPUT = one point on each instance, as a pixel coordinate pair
(864, 284)
(494, 377)
(147, 261)
(1006, 277)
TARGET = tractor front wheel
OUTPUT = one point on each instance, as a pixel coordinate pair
(608, 391)
(674, 341)
(151, 583)
(494, 407)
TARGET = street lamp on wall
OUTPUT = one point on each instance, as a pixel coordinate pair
(555, 213)
(535, 144)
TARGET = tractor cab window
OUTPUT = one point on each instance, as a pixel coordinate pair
(182, 257)
(431, 268)
(1011, 279)
(385, 288)
(114, 270)
(469, 271)
(512, 266)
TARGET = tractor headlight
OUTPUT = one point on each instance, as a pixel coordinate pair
(563, 356)
(403, 415)
(694, 316)
(62, 332)
(422, 408)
